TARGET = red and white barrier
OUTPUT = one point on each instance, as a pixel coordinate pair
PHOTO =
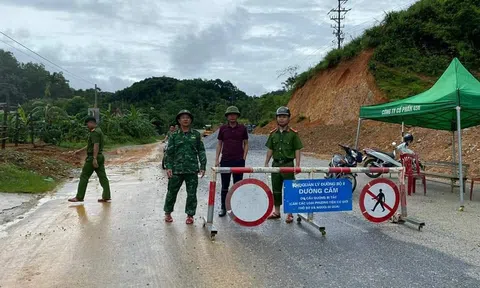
(238, 170)
(310, 170)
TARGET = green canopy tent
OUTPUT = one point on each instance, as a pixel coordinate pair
(452, 104)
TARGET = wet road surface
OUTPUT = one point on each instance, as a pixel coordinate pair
(126, 244)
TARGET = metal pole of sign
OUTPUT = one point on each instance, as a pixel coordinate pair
(403, 194)
(309, 218)
(211, 207)
(460, 170)
(403, 205)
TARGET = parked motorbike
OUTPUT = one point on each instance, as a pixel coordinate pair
(377, 158)
(351, 159)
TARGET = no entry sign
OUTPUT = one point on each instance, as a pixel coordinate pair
(249, 202)
(379, 200)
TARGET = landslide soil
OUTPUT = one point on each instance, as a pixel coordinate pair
(57, 162)
(326, 109)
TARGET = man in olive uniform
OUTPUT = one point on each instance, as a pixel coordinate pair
(284, 145)
(95, 162)
(185, 150)
(173, 128)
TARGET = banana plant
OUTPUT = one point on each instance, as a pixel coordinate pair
(47, 112)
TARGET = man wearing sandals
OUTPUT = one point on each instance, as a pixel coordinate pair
(233, 147)
(284, 145)
(185, 150)
(95, 162)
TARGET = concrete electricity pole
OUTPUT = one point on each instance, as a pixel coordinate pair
(338, 14)
(95, 96)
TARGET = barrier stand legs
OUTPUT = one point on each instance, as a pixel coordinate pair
(211, 208)
(403, 217)
(309, 218)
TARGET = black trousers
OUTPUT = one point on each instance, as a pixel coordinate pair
(227, 176)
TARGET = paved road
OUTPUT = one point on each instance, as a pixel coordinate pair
(126, 244)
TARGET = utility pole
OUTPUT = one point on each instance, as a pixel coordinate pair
(95, 112)
(95, 96)
(6, 110)
(338, 14)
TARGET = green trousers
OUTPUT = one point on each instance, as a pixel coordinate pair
(87, 171)
(174, 184)
(277, 182)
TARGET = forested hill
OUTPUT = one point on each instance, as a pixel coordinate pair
(163, 97)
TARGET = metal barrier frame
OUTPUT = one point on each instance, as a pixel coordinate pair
(208, 221)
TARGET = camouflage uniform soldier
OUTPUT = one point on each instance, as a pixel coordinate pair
(284, 145)
(173, 128)
(95, 162)
(185, 150)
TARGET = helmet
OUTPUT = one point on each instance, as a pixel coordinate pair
(184, 112)
(232, 110)
(408, 137)
(283, 111)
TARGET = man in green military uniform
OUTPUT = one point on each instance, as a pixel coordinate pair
(95, 162)
(185, 150)
(173, 128)
(284, 145)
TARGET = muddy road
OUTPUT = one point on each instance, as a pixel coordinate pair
(126, 243)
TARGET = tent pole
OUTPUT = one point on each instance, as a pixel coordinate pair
(460, 171)
(453, 153)
(358, 132)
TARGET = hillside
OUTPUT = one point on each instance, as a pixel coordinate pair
(400, 58)
(162, 97)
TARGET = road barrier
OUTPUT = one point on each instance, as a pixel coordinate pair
(400, 218)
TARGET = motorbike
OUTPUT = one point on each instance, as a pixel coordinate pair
(351, 159)
(377, 158)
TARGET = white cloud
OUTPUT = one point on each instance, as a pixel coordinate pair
(114, 43)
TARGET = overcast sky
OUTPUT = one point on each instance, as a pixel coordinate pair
(116, 42)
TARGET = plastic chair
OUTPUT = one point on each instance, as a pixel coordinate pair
(413, 173)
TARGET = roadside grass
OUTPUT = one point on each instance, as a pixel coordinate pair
(15, 179)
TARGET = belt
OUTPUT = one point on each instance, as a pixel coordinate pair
(282, 161)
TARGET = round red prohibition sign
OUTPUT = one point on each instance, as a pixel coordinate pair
(249, 202)
(379, 200)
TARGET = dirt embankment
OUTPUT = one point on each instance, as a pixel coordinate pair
(326, 110)
(56, 162)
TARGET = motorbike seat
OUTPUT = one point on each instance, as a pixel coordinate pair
(389, 154)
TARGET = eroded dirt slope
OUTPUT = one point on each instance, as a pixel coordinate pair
(326, 109)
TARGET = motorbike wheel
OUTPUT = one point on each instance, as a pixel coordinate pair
(352, 179)
(371, 163)
(163, 163)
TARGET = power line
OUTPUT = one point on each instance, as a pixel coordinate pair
(59, 67)
(24, 53)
